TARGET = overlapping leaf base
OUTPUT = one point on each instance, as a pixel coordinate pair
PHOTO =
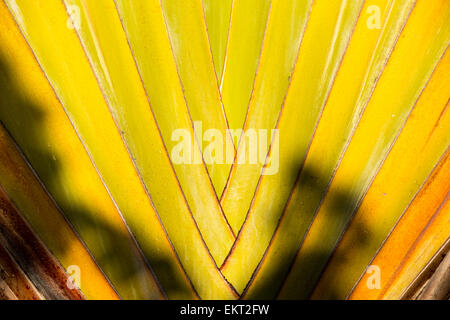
(93, 94)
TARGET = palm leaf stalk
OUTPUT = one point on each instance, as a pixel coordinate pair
(126, 137)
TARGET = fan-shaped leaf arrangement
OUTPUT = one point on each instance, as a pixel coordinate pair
(222, 149)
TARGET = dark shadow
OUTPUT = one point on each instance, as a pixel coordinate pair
(313, 185)
(23, 120)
